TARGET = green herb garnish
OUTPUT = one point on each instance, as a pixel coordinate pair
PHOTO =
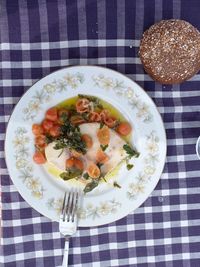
(101, 125)
(63, 117)
(104, 147)
(61, 153)
(130, 151)
(104, 179)
(73, 111)
(70, 174)
(85, 116)
(116, 125)
(70, 137)
(90, 186)
(86, 176)
(99, 165)
(115, 184)
(129, 166)
(48, 139)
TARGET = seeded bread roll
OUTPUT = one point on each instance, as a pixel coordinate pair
(170, 51)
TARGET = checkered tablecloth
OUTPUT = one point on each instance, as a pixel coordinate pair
(38, 37)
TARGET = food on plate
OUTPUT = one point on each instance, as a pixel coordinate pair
(84, 138)
(170, 51)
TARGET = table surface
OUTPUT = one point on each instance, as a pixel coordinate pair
(38, 37)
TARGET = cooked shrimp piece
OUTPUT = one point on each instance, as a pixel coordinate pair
(104, 114)
(82, 105)
(93, 171)
(88, 140)
(103, 135)
(101, 156)
(110, 121)
(76, 119)
(94, 116)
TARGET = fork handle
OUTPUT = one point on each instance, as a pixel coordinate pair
(66, 251)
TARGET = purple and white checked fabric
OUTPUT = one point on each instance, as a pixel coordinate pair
(38, 37)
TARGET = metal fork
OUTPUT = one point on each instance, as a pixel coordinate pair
(68, 220)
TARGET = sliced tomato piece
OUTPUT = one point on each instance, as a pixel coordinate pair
(74, 162)
(78, 163)
(40, 140)
(93, 171)
(52, 114)
(39, 157)
(47, 125)
(124, 128)
(55, 131)
(70, 162)
(37, 129)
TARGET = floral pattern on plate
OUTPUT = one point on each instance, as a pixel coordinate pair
(104, 208)
(149, 167)
(23, 164)
(44, 95)
(108, 83)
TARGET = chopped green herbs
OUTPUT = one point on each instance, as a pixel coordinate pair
(85, 116)
(101, 125)
(129, 166)
(115, 184)
(90, 186)
(70, 174)
(104, 179)
(130, 151)
(70, 137)
(86, 176)
(99, 165)
(61, 152)
(117, 123)
(92, 99)
(63, 117)
(104, 147)
(48, 139)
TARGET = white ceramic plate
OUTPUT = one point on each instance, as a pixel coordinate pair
(105, 204)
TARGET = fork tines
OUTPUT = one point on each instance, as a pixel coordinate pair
(70, 205)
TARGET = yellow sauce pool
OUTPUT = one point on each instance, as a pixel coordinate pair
(70, 103)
